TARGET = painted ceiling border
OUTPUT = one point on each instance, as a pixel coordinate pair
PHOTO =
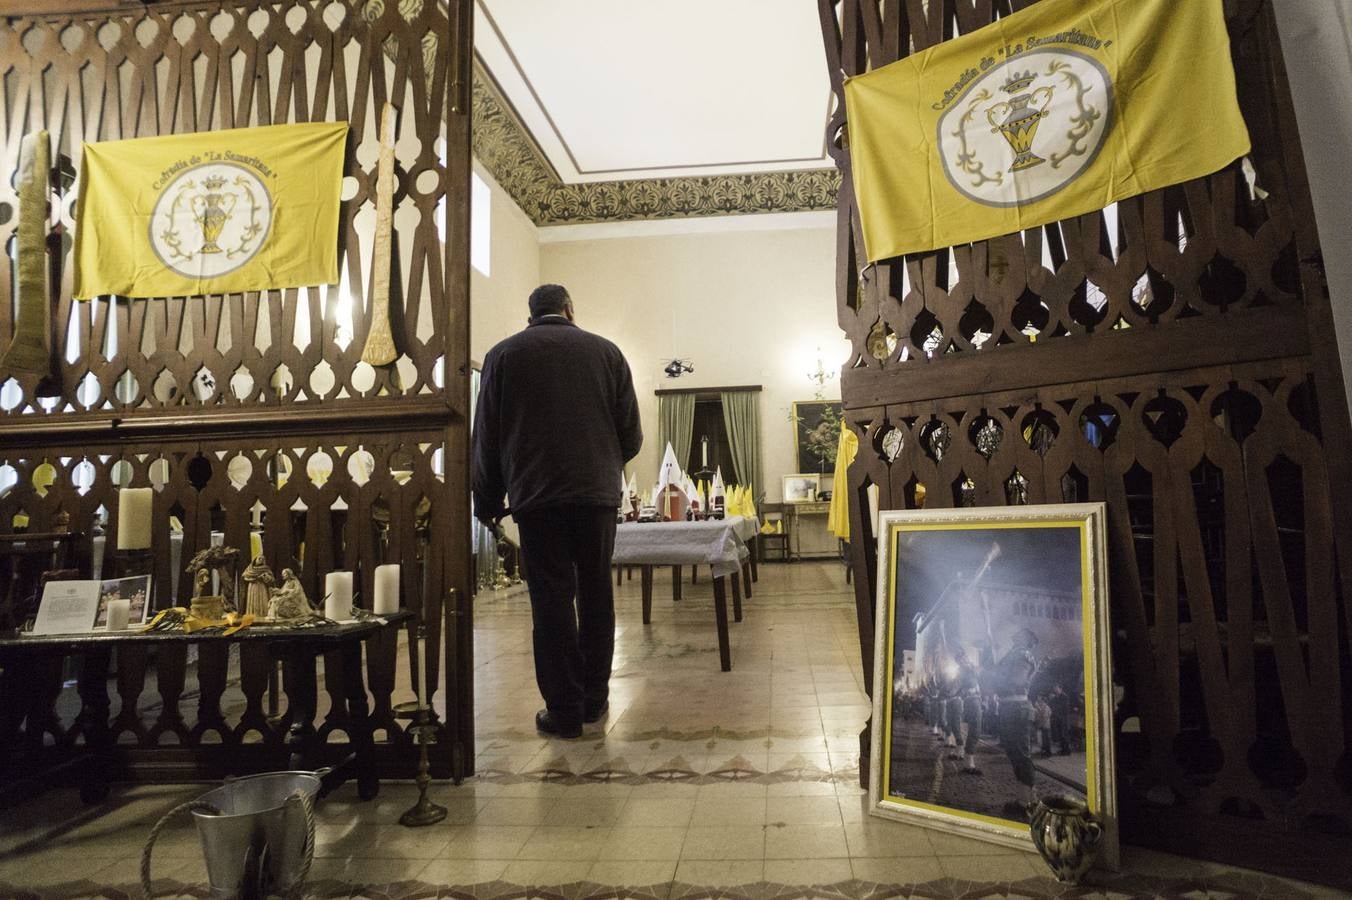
(506, 148)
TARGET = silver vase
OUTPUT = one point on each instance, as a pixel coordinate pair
(1067, 835)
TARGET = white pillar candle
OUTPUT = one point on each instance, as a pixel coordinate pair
(119, 613)
(133, 518)
(338, 596)
(387, 590)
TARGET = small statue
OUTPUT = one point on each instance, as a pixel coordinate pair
(260, 580)
(204, 604)
(289, 603)
(224, 561)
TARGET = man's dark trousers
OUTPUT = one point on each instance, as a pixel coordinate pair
(567, 551)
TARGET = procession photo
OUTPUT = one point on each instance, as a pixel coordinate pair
(988, 685)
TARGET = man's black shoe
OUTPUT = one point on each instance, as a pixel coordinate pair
(596, 715)
(545, 723)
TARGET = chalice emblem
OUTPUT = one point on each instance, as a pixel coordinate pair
(211, 219)
(212, 209)
(1019, 118)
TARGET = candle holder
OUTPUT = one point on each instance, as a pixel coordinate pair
(424, 732)
(424, 812)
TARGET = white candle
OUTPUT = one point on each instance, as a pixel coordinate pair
(119, 613)
(704, 451)
(338, 596)
(387, 590)
(133, 518)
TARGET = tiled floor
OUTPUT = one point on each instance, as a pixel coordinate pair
(698, 783)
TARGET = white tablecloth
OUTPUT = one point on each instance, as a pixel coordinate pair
(715, 543)
(746, 528)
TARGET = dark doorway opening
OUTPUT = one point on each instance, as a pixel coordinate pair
(709, 424)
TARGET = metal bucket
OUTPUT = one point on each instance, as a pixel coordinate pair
(258, 839)
(257, 834)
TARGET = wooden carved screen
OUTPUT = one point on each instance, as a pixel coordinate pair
(253, 412)
(1172, 356)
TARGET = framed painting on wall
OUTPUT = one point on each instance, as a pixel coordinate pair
(816, 426)
(992, 631)
(801, 487)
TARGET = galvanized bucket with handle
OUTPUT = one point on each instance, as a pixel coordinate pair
(257, 833)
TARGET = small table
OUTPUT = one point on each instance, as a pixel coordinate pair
(714, 543)
(297, 648)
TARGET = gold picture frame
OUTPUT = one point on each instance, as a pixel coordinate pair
(960, 592)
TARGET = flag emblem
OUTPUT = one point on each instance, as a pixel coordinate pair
(211, 219)
(1054, 111)
(1024, 130)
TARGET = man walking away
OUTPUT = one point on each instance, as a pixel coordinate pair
(556, 421)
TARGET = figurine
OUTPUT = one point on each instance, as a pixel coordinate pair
(219, 559)
(204, 604)
(259, 579)
(289, 603)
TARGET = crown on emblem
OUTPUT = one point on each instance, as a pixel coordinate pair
(214, 182)
(1018, 81)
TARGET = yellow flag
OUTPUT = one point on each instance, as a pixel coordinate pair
(1055, 111)
(247, 209)
(838, 516)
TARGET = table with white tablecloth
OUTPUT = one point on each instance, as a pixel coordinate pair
(716, 543)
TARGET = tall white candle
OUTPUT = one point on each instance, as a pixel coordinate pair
(133, 518)
(387, 590)
(338, 596)
(119, 613)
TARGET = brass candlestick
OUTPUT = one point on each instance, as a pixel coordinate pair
(424, 731)
(424, 812)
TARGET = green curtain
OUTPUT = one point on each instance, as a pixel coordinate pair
(675, 425)
(741, 413)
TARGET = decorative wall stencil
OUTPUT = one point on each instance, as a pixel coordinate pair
(506, 149)
(1173, 356)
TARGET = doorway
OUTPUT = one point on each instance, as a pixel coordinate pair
(710, 450)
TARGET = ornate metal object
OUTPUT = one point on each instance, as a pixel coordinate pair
(424, 732)
(988, 438)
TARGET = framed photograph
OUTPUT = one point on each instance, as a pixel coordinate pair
(816, 426)
(801, 488)
(135, 588)
(992, 632)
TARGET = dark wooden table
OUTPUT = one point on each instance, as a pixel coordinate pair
(296, 648)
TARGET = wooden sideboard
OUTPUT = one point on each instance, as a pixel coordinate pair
(808, 537)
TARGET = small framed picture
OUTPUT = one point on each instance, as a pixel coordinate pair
(802, 487)
(992, 635)
(135, 589)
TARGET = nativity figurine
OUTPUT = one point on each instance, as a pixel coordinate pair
(259, 581)
(288, 602)
(204, 604)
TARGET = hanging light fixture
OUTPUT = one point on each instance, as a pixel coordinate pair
(678, 367)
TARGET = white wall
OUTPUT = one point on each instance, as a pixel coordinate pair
(750, 307)
(1316, 40)
(497, 302)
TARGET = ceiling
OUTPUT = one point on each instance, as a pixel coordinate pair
(618, 90)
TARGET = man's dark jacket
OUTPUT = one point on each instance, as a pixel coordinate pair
(556, 421)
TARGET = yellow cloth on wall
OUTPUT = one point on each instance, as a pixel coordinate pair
(838, 516)
(245, 209)
(1055, 111)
